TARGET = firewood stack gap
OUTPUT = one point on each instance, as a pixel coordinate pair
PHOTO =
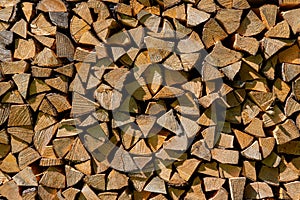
(149, 99)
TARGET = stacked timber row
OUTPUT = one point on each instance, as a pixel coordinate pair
(149, 99)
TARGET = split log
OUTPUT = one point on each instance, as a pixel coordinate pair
(53, 178)
(236, 186)
(216, 57)
(258, 190)
(251, 25)
(230, 19)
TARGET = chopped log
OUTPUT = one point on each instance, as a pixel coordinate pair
(280, 30)
(225, 3)
(24, 133)
(53, 178)
(212, 33)
(193, 42)
(250, 111)
(46, 58)
(26, 178)
(280, 132)
(108, 195)
(176, 12)
(13, 97)
(19, 116)
(9, 164)
(16, 67)
(251, 25)
(29, 193)
(74, 154)
(229, 19)
(169, 122)
(140, 148)
(35, 101)
(292, 189)
(229, 171)
(281, 90)
(4, 138)
(27, 157)
(247, 44)
(51, 6)
(107, 97)
(262, 99)
(40, 26)
(252, 152)
(59, 83)
(5, 86)
(219, 53)
(273, 160)
(156, 185)
(116, 180)
(257, 190)
(22, 82)
(46, 41)
(249, 170)
(290, 55)
(60, 102)
(20, 28)
(78, 27)
(266, 146)
(46, 193)
(5, 150)
(289, 148)
(44, 121)
(255, 128)
(254, 61)
(82, 105)
(257, 85)
(10, 190)
(96, 181)
(268, 14)
(289, 71)
(72, 176)
(39, 72)
(212, 183)
(70, 193)
(221, 194)
(22, 47)
(64, 46)
(67, 70)
(62, 146)
(273, 117)
(269, 175)
(236, 186)
(84, 167)
(207, 6)
(291, 106)
(48, 162)
(60, 19)
(291, 17)
(225, 141)
(27, 9)
(82, 10)
(195, 16)
(225, 156)
(42, 138)
(272, 46)
(187, 168)
(209, 169)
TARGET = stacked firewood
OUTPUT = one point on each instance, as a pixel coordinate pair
(149, 99)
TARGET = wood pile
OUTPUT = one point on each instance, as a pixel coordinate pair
(149, 99)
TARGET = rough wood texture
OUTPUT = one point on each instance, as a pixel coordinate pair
(126, 99)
